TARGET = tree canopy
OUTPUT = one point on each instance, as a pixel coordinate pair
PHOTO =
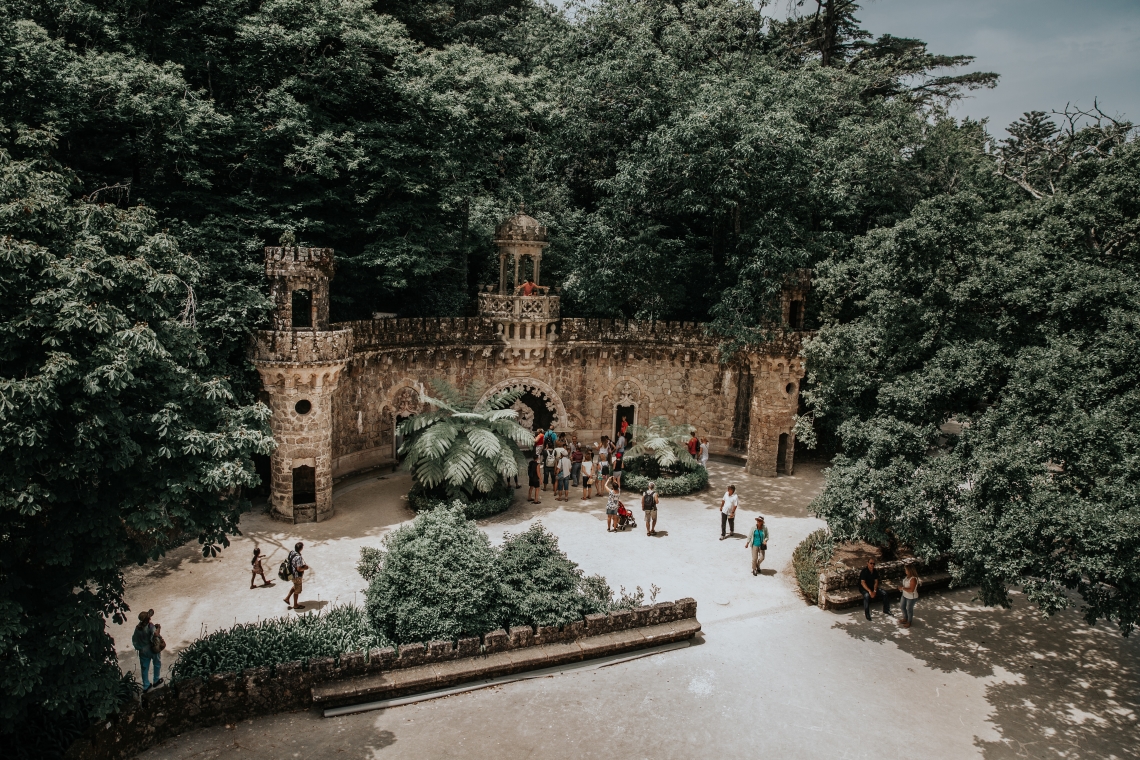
(975, 298)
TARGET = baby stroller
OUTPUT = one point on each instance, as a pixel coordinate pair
(625, 518)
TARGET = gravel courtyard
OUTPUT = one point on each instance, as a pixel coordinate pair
(768, 675)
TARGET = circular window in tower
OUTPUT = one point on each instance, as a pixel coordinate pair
(303, 406)
(790, 387)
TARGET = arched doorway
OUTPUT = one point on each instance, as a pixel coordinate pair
(539, 403)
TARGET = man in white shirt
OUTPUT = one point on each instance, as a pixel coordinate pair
(728, 504)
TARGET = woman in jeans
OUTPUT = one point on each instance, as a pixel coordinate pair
(758, 544)
(909, 588)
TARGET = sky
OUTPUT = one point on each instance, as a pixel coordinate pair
(1048, 52)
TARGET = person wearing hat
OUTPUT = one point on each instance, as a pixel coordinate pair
(758, 543)
(143, 641)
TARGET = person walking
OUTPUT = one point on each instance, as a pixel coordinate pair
(587, 473)
(869, 585)
(143, 640)
(694, 445)
(649, 502)
(534, 480)
(758, 543)
(728, 504)
(705, 453)
(612, 490)
(297, 568)
(258, 569)
(576, 459)
(564, 468)
(548, 466)
(909, 589)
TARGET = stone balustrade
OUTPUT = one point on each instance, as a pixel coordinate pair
(519, 308)
(302, 346)
(373, 334)
(283, 261)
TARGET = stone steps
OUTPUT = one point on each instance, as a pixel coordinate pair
(405, 681)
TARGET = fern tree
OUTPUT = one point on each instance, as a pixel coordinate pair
(464, 447)
(666, 444)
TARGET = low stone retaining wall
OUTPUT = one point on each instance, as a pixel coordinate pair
(838, 589)
(229, 697)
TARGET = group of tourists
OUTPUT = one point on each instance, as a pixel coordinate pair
(564, 463)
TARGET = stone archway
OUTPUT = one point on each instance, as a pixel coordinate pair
(548, 396)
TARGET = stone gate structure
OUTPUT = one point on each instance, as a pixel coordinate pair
(338, 391)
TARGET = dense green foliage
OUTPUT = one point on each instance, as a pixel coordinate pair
(678, 480)
(686, 156)
(440, 578)
(809, 558)
(475, 507)
(331, 633)
(663, 442)
(978, 361)
(116, 438)
(461, 447)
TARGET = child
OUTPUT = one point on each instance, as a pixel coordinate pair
(257, 569)
(587, 474)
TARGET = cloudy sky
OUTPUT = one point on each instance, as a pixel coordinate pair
(1048, 52)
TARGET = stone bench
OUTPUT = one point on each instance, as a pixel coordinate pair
(840, 588)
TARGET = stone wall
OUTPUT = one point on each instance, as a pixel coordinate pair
(230, 697)
(590, 368)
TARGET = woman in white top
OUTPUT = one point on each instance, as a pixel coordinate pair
(705, 453)
(587, 473)
(602, 470)
(909, 588)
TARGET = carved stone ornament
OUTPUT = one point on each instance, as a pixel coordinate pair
(407, 402)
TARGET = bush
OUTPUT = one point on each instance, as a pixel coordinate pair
(439, 578)
(340, 629)
(475, 507)
(811, 556)
(679, 480)
(540, 585)
(435, 580)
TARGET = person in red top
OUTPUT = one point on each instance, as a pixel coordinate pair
(694, 445)
(624, 425)
(528, 287)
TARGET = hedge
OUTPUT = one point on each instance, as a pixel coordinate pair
(813, 553)
(340, 629)
(689, 482)
(488, 505)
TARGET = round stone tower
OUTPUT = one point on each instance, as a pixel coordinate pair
(300, 362)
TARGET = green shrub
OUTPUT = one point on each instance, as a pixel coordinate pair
(811, 556)
(677, 480)
(540, 585)
(340, 629)
(435, 580)
(475, 507)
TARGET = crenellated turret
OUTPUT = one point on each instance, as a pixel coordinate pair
(300, 362)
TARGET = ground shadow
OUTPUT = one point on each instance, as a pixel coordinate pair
(660, 534)
(311, 605)
(767, 571)
(1058, 687)
(383, 739)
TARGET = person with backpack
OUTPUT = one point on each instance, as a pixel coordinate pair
(649, 502)
(576, 459)
(147, 641)
(549, 464)
(296, 569)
